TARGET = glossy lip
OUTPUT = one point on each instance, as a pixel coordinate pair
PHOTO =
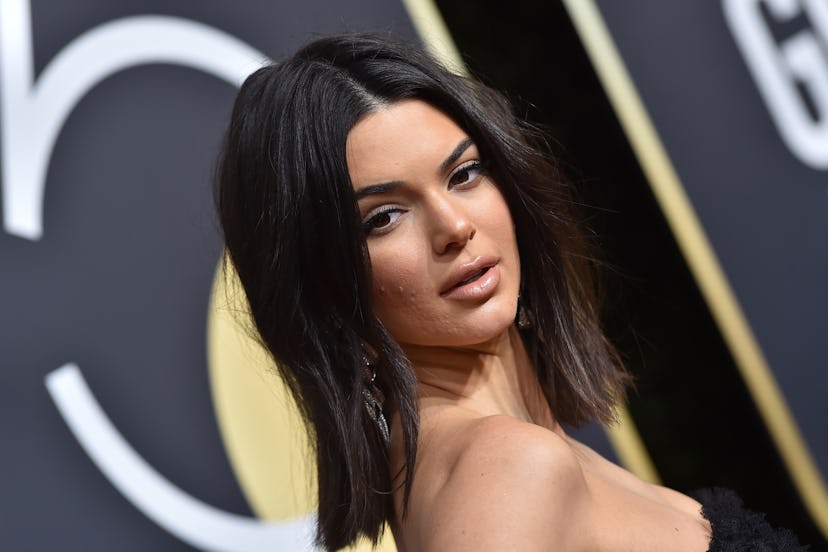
(480, 265)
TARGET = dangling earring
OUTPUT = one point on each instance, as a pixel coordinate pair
(374, 399)
(522, 318)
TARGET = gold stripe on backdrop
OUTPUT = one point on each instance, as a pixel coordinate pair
(435, 35)
(697, 250)
(624, 437)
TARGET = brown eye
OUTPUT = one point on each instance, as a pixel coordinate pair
(381, 221)
(466, 174)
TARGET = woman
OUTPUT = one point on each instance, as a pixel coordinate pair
(411, 262)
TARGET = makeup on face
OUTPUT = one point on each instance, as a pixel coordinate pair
(444, 258)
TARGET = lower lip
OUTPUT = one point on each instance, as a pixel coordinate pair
(479, 289)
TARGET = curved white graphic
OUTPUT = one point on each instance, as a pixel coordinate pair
(32, 113)
(191, 520)
(779, 68)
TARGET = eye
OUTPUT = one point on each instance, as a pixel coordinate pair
(381, 221)
(466, 174)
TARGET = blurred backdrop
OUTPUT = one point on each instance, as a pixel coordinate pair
(138, 415)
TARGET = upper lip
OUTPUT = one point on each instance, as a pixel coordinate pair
(466, 271)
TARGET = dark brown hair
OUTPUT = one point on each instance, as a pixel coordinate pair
(293, 233)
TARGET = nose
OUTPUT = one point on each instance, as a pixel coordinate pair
(451, 226)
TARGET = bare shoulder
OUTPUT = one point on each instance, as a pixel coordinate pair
(517, 449)
(511, 485)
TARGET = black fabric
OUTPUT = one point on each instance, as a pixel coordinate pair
(736, 529)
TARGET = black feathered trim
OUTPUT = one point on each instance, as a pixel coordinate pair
(736, 529)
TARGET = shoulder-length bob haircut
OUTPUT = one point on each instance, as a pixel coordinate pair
(293, 233)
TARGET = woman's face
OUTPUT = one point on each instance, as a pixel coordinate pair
(444, 259)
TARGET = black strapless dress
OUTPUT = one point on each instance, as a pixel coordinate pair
(736, 529)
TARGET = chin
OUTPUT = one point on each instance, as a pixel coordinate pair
(483, 326)
(492, 332)
(455, 326)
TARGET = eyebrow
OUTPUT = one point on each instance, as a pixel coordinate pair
(377, 188)
(456, 153)
(385, 187)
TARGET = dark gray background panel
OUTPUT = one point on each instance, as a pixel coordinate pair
(764, 211)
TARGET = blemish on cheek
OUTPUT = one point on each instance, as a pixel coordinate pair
(402, 290)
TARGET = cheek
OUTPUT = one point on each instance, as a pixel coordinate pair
(404, 295)
(500, 217)
(497, 221)
(393, 290)
(397, 282)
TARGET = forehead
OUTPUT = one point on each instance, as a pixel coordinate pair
(400, 141)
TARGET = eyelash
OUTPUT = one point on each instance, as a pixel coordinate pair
(469, 166)
(366, 224)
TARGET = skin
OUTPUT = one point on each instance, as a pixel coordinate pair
(494, 470)
(435, 217)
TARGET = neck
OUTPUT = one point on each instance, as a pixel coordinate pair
(495, 377)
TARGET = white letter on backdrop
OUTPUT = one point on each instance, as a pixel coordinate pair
(778, 68)
(32, 112)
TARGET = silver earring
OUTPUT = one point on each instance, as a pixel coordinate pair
(374, 399)
(523, 320)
